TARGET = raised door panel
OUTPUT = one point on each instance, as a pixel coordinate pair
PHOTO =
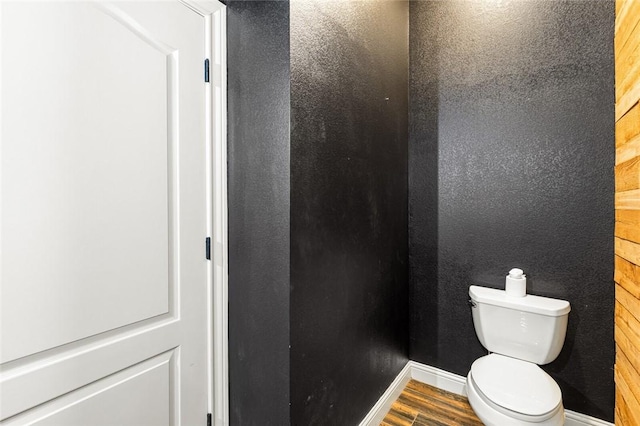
(141, 395)
(86, 176)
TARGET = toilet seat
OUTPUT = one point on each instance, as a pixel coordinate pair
(515, 388)
(492, 415)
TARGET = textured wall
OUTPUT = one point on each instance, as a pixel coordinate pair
(511, 164)
(349, 313)
(258, 167)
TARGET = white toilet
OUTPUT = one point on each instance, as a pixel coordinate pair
(507, 387)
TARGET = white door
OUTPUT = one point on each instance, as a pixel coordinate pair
(105, 290)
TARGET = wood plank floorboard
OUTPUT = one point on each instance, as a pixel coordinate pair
(424, 405)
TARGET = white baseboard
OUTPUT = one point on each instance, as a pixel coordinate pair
(578, 419)
(439, 378)
(382, 407)
(449, 382)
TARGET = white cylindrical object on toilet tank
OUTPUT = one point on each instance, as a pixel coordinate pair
(516, 283)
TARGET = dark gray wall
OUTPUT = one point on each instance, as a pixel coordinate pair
(258, 167)
(349, 306)
(511, 159)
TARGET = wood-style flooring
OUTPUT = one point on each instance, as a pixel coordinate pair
(424, 405)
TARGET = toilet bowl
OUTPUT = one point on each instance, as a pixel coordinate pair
(507, 387)
(506, 391)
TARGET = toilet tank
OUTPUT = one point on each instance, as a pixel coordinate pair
(531, 328)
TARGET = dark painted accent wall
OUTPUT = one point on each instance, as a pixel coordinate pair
(511, 154)
(258, 167)
(349, 306)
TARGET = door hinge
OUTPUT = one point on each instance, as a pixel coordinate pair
(207, 248)
(208, 419)
(206, 70)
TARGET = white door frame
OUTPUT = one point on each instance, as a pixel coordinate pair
(214, 13)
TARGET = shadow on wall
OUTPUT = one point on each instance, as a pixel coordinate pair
(258, 174)
(424, 98)
(349, 287)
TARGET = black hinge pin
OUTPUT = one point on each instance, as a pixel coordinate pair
(208, 248)
(208, 419)
(206, 70)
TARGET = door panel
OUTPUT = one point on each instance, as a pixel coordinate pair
(103, 214)
(42, 379)
(139, 395)
(95, 167)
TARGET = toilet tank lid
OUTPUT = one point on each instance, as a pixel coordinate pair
(529, 303)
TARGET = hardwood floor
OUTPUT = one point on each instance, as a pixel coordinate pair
(424, 405)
